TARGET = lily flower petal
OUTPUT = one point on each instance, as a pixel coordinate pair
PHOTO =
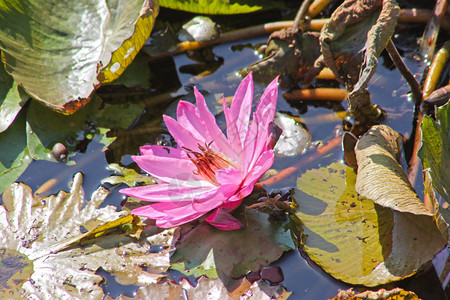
(222, 220)
(208, 171)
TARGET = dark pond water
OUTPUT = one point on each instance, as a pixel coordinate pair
(302, 277)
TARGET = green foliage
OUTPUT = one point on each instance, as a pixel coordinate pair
(435, 153)
(12, 98)
(215, 7)
(75, 45)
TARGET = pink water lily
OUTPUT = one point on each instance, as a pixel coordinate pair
(208, 171)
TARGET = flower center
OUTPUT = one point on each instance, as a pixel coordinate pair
(208, 162)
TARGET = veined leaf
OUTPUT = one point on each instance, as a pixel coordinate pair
(56, 49)
(32, 231)
(435, 153)
(215, 7)
(355, 240)
(12, 98)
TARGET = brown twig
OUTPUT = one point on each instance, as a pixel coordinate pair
(321, 151)
(409, 77)
(301, 14)
(331, 94)
(429, 38)
(406, 15)
(316, 7)
(430, 84)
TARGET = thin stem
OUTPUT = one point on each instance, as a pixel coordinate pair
(302, 162)
(301, 14)
(398, 62)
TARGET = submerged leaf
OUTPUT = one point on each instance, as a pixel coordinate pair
(380, 176)
(34, 229)
(70, 42)
(352, 238)
(207, 251)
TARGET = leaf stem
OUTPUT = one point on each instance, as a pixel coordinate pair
(321, 151)
(301, 14)
(409, 77)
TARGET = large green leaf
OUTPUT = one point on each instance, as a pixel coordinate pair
(32, 231)
(215, 7)
(56, 49)
(12, 98)
(355, 240)
(435, 152)
(46, 127)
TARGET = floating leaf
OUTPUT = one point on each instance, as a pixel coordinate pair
(207, 251)
(380, 176)
(352, 238)
(32, 231)
(207, 289)
(56, 50)
(351, 42)
(16, 159)
(130, 225)
(382, 294)
(128, 176)
(208, 7)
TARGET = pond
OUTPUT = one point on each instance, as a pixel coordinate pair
(213, 71)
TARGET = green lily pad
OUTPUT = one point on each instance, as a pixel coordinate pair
(60, 51)
(207, 251)
(435, 153)
(352, 238)
(215, 7)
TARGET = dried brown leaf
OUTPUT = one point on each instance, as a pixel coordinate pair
(380, 176)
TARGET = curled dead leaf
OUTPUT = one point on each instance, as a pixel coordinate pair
(380, 176)
(351, 42)
(288, 51)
